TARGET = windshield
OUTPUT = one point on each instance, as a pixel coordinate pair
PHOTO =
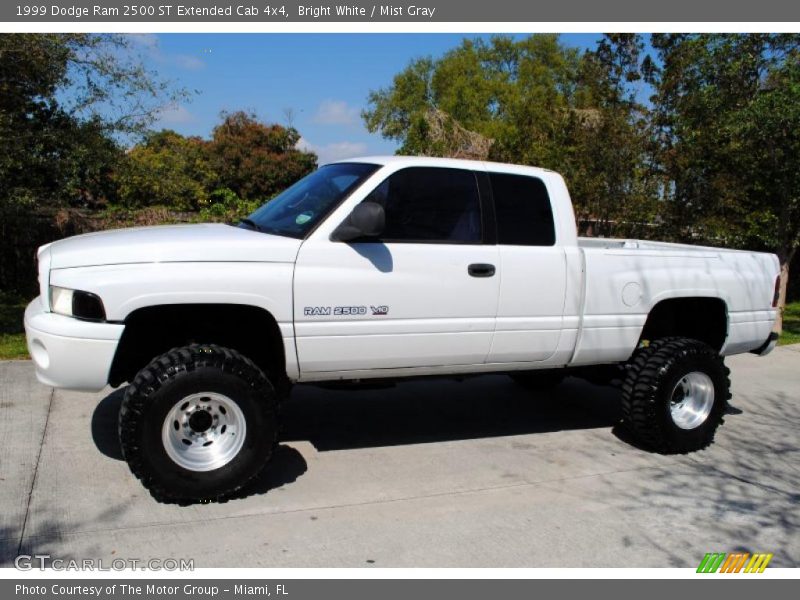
(298, 209)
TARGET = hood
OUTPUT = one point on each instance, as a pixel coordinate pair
(211, 242)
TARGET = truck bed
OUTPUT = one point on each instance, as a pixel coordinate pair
(631, 244)
(625, 279)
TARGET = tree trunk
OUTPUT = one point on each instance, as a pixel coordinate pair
(785, 260)
(782, 296)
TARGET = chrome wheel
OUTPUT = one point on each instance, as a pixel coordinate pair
(204, 431)
(692, 399)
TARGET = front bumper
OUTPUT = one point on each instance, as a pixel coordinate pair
(69, 353)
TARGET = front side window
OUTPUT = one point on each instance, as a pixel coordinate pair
(298, 209)
(430, 205)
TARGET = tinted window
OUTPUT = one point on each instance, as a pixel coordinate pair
(430, 205)
(524, 214)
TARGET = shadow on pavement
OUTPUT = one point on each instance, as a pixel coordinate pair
(744, 488)
(286, 465)
(104, 424)
(437, 410)
(414, 412)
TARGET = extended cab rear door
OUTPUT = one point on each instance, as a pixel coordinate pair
(423, 294)
(532, 270)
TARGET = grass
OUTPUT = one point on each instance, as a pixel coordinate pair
(12, 337)
(12, 346)
(791, 325)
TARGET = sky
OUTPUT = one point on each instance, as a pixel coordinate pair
(324, 79)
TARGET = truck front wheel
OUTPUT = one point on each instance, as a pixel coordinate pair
(675, 395)
(198, 423)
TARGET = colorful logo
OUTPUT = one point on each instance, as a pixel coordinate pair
(736, 562)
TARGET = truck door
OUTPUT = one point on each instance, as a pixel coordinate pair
(532, 270)
(422, 294)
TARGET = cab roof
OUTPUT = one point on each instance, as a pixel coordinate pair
(453, 163)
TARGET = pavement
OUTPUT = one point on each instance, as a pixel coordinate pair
(435, 473)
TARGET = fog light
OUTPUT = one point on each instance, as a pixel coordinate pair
(39, 354)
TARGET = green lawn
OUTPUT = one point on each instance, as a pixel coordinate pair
(12, 345)
(12, 338)
(791, 325)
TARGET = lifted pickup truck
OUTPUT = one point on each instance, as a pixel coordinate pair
(385, 267)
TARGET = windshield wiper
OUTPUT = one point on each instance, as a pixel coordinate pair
(252, 224)
(260, 228)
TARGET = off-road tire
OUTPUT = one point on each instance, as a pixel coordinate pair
(544, 379)
(162, 383)
(652, 375)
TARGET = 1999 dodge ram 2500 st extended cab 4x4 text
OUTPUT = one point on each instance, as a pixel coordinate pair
(385, 267)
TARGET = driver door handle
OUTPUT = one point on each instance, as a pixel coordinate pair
(481, 270)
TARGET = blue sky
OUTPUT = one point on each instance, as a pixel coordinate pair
(323, 78)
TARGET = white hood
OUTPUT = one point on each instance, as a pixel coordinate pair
(212, 242)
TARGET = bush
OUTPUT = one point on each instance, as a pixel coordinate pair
(225, 206)
(257, 160)
(168, 170)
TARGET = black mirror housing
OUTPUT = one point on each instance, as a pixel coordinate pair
(366, 220)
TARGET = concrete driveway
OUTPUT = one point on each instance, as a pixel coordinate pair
(426, 474)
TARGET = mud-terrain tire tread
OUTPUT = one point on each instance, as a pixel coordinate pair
(643, 411)
(161, 370)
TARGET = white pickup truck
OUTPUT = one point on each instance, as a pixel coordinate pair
(385, 267)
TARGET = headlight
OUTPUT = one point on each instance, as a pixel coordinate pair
(76, 303)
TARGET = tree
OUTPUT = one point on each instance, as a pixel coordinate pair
(257, 160)
(608, 137)
(62, 99)
(167, 169)
(398, 112)
(726, 117)
(514, 93)
(536, 102)
(765, 138)
(244, 163)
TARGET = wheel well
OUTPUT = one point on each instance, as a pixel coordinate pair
(153, 330)
(704, 319)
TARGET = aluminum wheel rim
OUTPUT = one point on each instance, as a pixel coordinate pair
(203, 431)
(692, 399)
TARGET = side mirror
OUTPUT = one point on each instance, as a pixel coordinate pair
(366, 220)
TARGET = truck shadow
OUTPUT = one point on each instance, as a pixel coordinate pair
(437, 410)
(414, 412)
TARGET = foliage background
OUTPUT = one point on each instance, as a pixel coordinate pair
(694, 139)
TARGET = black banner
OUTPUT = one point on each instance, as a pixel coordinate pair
(732, 588)
(401, 12)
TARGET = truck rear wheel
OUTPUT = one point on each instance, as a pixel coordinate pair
(675, 395)
(198, 423)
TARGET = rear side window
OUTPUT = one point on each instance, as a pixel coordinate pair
(523, 211)
(430, 205)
